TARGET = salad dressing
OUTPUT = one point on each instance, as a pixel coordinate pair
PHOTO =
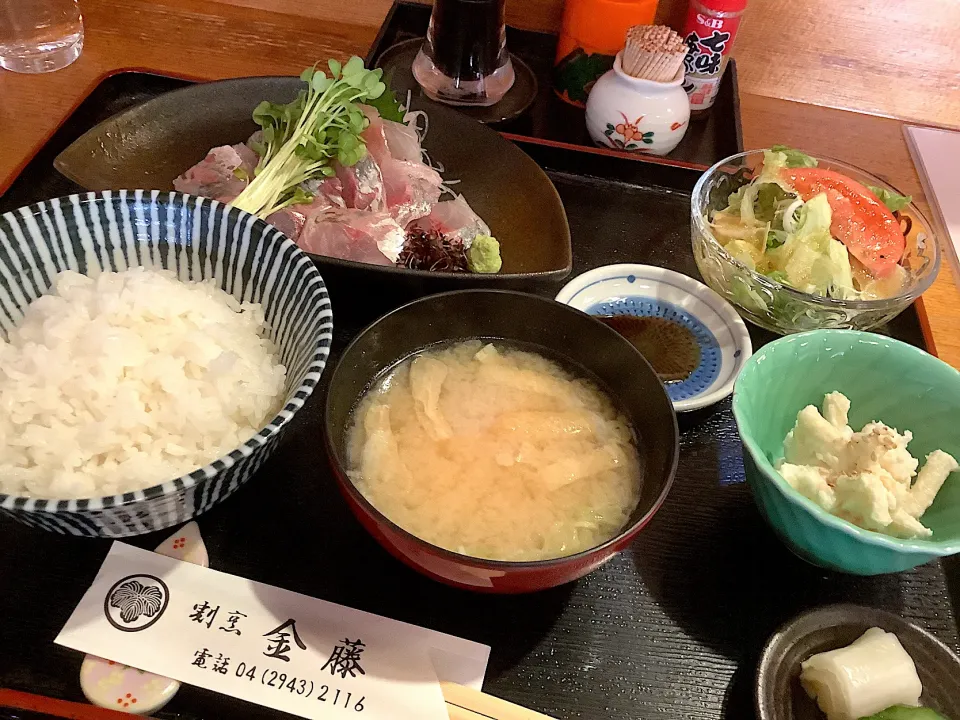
(811, 228)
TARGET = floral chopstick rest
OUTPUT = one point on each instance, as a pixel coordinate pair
(187, 545)
(119, 687)
(640, 105)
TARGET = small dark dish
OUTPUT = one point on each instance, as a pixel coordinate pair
(150, 144)
(779, 694)
(545, 326)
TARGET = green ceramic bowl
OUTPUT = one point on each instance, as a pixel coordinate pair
(886, 380)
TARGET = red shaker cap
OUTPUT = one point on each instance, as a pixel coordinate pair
(724, 6)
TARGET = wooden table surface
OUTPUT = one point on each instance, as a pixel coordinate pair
(897, 58)
(202, 39)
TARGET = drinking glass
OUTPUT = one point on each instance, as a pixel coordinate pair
(39, 35)
(464, 59)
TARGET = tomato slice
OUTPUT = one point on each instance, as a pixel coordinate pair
(861, 222)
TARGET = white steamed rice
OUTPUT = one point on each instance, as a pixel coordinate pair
(130, 379)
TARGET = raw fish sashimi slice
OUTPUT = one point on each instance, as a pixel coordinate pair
(362, 185)
(327, 195)
(411, 188)
(288, 221)
(221, 175)
(403, 141)
(351, 234)
(374, 137)
(455, 219)
(385, 137)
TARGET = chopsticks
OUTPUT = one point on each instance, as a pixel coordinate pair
(57, 708)
(465, 703)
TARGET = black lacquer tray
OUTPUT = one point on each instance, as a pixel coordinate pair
(670, 629)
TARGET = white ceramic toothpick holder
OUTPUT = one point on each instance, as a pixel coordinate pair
(635, 115)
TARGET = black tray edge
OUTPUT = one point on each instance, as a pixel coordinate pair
(68, 116)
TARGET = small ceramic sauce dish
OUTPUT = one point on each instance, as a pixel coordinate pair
(637, 115)
(780, 696)
(692, 337)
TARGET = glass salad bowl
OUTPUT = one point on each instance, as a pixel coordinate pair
(778, 307)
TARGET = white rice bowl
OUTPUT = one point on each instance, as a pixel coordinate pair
(127, 380)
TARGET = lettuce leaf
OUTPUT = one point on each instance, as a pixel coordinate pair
(746, 253)
(837, 273)
(795, 158)
(776, 238)
(773, 162)
(816, 217)
(769, 195)
(811, 258)
(727, 186)
(746, 296)
(894, 202)
(733, 202)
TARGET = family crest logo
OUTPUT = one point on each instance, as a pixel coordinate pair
(136, 602)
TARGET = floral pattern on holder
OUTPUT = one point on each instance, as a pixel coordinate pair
(629, 132)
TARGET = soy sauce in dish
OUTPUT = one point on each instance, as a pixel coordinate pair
(669, 347)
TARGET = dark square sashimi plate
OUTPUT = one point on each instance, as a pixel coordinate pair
(148, 145)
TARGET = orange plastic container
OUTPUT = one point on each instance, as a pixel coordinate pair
(592, 33)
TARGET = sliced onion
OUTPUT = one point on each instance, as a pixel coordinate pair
(746, 205)
(790, 223)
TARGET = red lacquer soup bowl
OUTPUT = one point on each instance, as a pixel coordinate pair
(554, 330)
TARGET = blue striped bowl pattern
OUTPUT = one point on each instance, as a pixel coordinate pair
(198, 239)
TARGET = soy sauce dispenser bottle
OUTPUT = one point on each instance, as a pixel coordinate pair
(464, 59)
